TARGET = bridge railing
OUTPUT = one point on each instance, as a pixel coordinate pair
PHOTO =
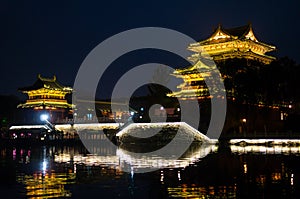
(85, 120)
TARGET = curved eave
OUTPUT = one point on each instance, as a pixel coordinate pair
(44, 105)
(188, 95)
(196, 68)
(268, 47)
(185, 70)
(65, 91)
(248, 55)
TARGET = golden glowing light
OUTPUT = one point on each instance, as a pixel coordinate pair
(229, 43)
(46, 94)
(223, 44)
(48, 185)
(245, 168)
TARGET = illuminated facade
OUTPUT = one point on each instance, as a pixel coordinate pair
(222, 45)
(194, 78)
(239, 42)
(48, 95)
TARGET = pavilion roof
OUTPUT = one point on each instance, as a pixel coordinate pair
(49, 83)
(221, 34)
(203, 65)
(239, 32)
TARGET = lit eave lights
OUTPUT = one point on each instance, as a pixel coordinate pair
(47, 102)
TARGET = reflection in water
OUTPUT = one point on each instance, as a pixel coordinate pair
(244, 172)
(277, 149)
(140, 161)
(45, 180)
(122, 159)
(202, 172)
(186, 191)
(47, 185)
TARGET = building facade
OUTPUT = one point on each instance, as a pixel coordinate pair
(194, 78)
(222, 45)
(48, 96)
(238, 55)
(238, 42)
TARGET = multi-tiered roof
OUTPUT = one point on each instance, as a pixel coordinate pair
(46, 93)
(194, 78)
(223, 44)
(239, 42)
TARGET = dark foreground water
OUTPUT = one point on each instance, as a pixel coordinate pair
(68, 171)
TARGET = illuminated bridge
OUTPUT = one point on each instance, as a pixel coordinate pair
(136, 130)
(133, 129)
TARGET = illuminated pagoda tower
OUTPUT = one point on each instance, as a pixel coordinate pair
(194, 80)
(222, 45)
(239, 42)
(47, 95)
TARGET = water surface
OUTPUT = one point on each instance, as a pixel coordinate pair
(69, 171)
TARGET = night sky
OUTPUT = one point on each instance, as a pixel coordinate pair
(53, 37)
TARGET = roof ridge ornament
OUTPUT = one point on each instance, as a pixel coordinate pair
(250, 34)
(53, 79)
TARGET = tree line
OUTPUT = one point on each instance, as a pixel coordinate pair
(253, 82)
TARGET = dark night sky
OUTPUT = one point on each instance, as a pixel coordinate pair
(53, 37)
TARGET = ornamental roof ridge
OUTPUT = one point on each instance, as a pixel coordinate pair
(48, 83)
(239, 31)
(47, 79)
(225, 34)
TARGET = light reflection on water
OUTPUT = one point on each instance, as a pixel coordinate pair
(47, 185)
(204, 172)
(38, 174)
(123, 159)
(284, 150)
